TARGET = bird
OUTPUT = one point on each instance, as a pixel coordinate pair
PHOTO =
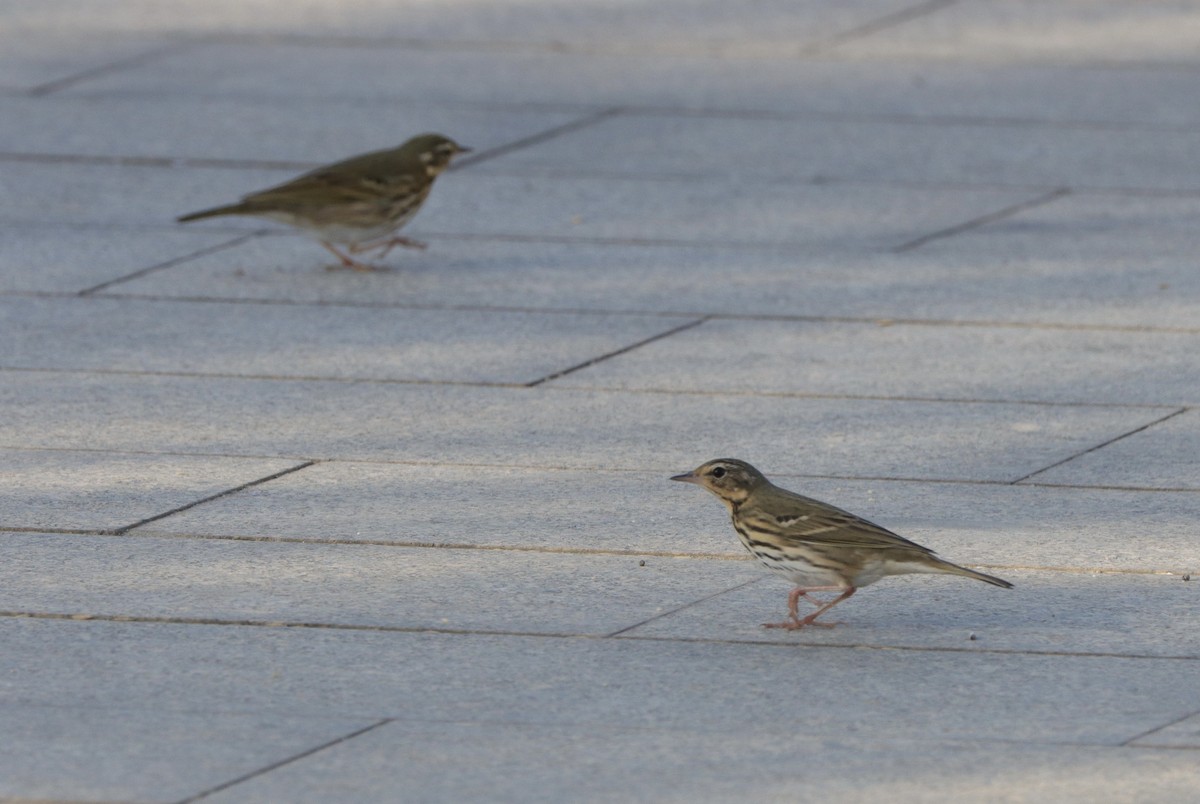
(359, 202)
(819, 547)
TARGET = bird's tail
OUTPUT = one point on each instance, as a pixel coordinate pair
(228, 209)
(954, 569)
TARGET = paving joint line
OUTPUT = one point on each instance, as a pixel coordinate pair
(121, 531)
(678, 609)
(536, 139)
(982, 220)
(1103, 444)
(286, 761)
(875, 26)
(66, 82)
(400, 629)
(204, 252)
(1167, 725)
(617, 352)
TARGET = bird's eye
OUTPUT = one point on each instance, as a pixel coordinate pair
(718, 472)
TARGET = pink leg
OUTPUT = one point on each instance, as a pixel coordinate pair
(387, 245)
(346, 261)
(794, 599)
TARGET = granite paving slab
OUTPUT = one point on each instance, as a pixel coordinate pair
(307, 341)
(610, 510)
(1046, 612)
(39, 59)
(728, 689)
(545, 763)
(263, 71)
(54, 259)
(1106, 32)
(85, 490)
(539, 427)
(1164, 456)
(913, 361)
(259, 129)
(645, 24)
(351, 585)
(1013, 275)
(122, 754)
(923, 152)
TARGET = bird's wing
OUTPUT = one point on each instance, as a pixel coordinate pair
(800, 519)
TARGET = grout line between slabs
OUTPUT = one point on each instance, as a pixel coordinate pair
(237, 241)
(535, 139)
(401, 629)
(982, 220)
(1156, 729)
(287, 761)
(872, 27)
(138, 60)
(624, 350)
(678, 609)
(1102, 444)
(121, 531)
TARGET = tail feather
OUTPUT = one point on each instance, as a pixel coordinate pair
(228, 209)
(954, 569)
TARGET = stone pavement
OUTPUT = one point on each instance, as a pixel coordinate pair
(272, 532)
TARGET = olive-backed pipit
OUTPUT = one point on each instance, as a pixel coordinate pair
(359, 202)
(817, 546)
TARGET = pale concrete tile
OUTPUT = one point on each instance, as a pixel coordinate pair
(522, 763)
(57, 259)
(999, 525)
(310, 341)
(1101, 31)
(265, 72)
(942, 362)
(268, 129)
(1166, 455)
(353, 585)
(969, 277)
(759, 150)
(1051, 612)
(107, 490)
(549, 428)
(722, 212)
(667, 25)
(135, 754)
(719, 688)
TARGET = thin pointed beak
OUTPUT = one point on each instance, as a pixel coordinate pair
(462, 149)
(687, 478)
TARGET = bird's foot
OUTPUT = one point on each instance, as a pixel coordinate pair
(796, 625)
(388, 245)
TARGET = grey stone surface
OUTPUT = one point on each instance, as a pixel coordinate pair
(121, 754)
(950, 152)
(567, 428)
(282, 341)
(977, 363)
(547, 763)
(37, 258)
(863, 202)
(263, 70)
(1060, 613)
(359, 585)
(1000, 525)
(1165, 456)
(264, 129)
(89, 490)
(708, 686)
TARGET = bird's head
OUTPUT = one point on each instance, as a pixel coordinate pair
(434, 151)
(730, 479)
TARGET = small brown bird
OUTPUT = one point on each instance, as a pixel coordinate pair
(359, 202)
(817, 546)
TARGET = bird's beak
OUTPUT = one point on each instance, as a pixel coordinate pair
(687, 478)
(464, 150)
